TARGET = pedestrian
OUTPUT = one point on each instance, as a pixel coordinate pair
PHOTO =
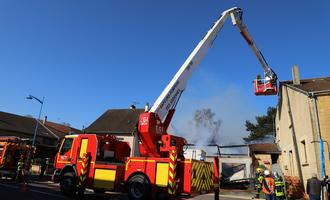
(259, 177)
(43, 166)
(326, 183)
(314, 187)
(19, 172)
(268, 186)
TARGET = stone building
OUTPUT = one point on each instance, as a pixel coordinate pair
(302, 119)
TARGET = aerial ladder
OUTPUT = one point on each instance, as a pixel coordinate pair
(154, 123)
(103, 163)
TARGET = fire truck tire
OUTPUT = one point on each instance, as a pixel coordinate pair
(68, 184)
(138, 187)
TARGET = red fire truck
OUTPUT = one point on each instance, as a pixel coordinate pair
(11, 149)
(101, 162)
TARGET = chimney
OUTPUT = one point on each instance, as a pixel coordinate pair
(295, 75)
(146, 107)
(45, 120)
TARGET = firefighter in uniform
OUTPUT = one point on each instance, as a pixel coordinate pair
(279, 187)
(258, 182)
(268, 186)
(20, 173)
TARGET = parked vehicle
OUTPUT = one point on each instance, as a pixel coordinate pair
(11, 150)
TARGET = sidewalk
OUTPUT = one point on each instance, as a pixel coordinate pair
(45, 178)
(238, 194)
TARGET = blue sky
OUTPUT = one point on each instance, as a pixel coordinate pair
(89, 56)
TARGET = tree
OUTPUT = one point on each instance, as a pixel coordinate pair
(204, 121)
(263, 127)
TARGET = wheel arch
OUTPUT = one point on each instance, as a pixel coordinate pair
(138, 173)
(68, 168)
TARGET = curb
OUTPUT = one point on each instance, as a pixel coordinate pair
(237, 197)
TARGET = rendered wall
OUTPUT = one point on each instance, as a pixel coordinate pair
(305, 132)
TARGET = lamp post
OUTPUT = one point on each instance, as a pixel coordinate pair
(36, 129)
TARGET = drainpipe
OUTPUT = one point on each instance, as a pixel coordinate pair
(317, 125)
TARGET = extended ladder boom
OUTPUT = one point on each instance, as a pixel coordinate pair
(172, 93)
(238, 22)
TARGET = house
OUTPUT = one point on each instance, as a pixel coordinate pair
(48, 133)
(265, 155)
(302, 121)
(121, 123)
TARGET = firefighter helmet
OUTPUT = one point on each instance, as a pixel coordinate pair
(259, 170)
(266, 172)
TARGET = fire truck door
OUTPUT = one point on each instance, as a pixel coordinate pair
(65, 153)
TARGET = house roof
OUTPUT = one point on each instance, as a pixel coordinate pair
(26, 125)
(119, 121)
(312, 84)
(61, 130)
(20, 124)
(265, 148)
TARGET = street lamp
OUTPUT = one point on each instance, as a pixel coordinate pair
(36, 129)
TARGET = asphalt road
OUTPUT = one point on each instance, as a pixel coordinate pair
(49, 191)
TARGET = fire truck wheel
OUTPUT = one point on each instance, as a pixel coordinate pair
(138, 187)
(68, 184)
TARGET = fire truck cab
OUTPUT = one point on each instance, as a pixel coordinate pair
(106, 167)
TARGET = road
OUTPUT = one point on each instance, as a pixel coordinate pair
(47, 190)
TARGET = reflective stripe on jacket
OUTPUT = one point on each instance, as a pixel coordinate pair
(279, 189)
(268, 181)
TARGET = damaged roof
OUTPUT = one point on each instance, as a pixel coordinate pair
(265, 148)
(119, 121)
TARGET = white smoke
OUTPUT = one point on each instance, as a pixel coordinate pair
(230, 106)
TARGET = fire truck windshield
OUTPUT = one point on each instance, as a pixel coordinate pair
(67, 144)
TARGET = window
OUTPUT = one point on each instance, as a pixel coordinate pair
(67, 144)
(291, 163)
(83, 147)
(304, 152)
